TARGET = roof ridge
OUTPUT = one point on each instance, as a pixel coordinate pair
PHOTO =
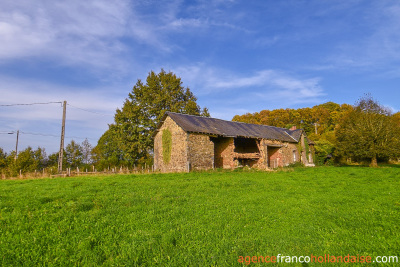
(291, 136)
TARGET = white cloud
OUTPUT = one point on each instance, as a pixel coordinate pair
(269, 82)
(188, 23)
(101, 34)
(226, 93)
(72, 32)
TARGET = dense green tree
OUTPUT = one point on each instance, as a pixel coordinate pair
(323, 151)
(146, 104)
(52, 160)
(25, 160)
(40, 157)
(108, 151)
(3, 159)
(73, 154)
(28, 160)
(368, 132)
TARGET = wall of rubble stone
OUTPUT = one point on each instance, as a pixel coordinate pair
(281, 156)
(200, 152)
(224, 152)
(179, 150)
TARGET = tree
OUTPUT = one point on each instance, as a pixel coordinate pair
(108, 150)
(144, 108)
(396, 118)
(368, 132)
(74, 154)
(40, 157)
(86, 151)
(3, 159)
(52, 160)
(29, 160)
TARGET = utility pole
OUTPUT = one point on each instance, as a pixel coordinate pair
(16, 147)
(316, 129)
(61, 154)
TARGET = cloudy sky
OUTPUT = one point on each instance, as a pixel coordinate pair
(236, 56)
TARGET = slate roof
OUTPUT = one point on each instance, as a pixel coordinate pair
(211, 126)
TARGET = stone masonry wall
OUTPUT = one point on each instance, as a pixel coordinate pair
(224, 151)
(179, 150)
(262, 162)
(201, 152)
(282, 156)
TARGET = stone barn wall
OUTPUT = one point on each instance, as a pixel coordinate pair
(179, 150)
(292, 153)
(193, 151)
(224, 152)
(280, 156)
(200, 152)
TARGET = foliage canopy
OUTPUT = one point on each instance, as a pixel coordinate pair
(144, 108)
(368, 132)
(334, 128)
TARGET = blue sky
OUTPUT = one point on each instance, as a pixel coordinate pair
(236, 56)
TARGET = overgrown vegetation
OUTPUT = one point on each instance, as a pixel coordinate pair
(199, 219)
(365, 131)
(368, 133)
(166, 145)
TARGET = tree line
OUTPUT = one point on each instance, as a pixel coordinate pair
(128, 141)
(29, 160)
(364, 132)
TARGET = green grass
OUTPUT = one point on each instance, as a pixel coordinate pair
(199, 219)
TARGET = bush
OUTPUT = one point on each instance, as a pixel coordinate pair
(323, 152)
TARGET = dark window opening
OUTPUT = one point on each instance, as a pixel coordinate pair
(246, 145)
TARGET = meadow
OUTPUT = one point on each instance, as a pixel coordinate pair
(200, 219)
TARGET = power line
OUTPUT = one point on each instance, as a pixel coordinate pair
(90, 111)
(30, 104)
(63, 104)
(58, 102)
(40, 134)
(46, 135)
(52, 135)
(82, 138)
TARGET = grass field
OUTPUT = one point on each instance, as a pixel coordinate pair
(199, 219)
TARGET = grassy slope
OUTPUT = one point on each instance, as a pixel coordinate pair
(199, 218)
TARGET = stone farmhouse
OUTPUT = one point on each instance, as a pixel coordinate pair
(185, 142)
